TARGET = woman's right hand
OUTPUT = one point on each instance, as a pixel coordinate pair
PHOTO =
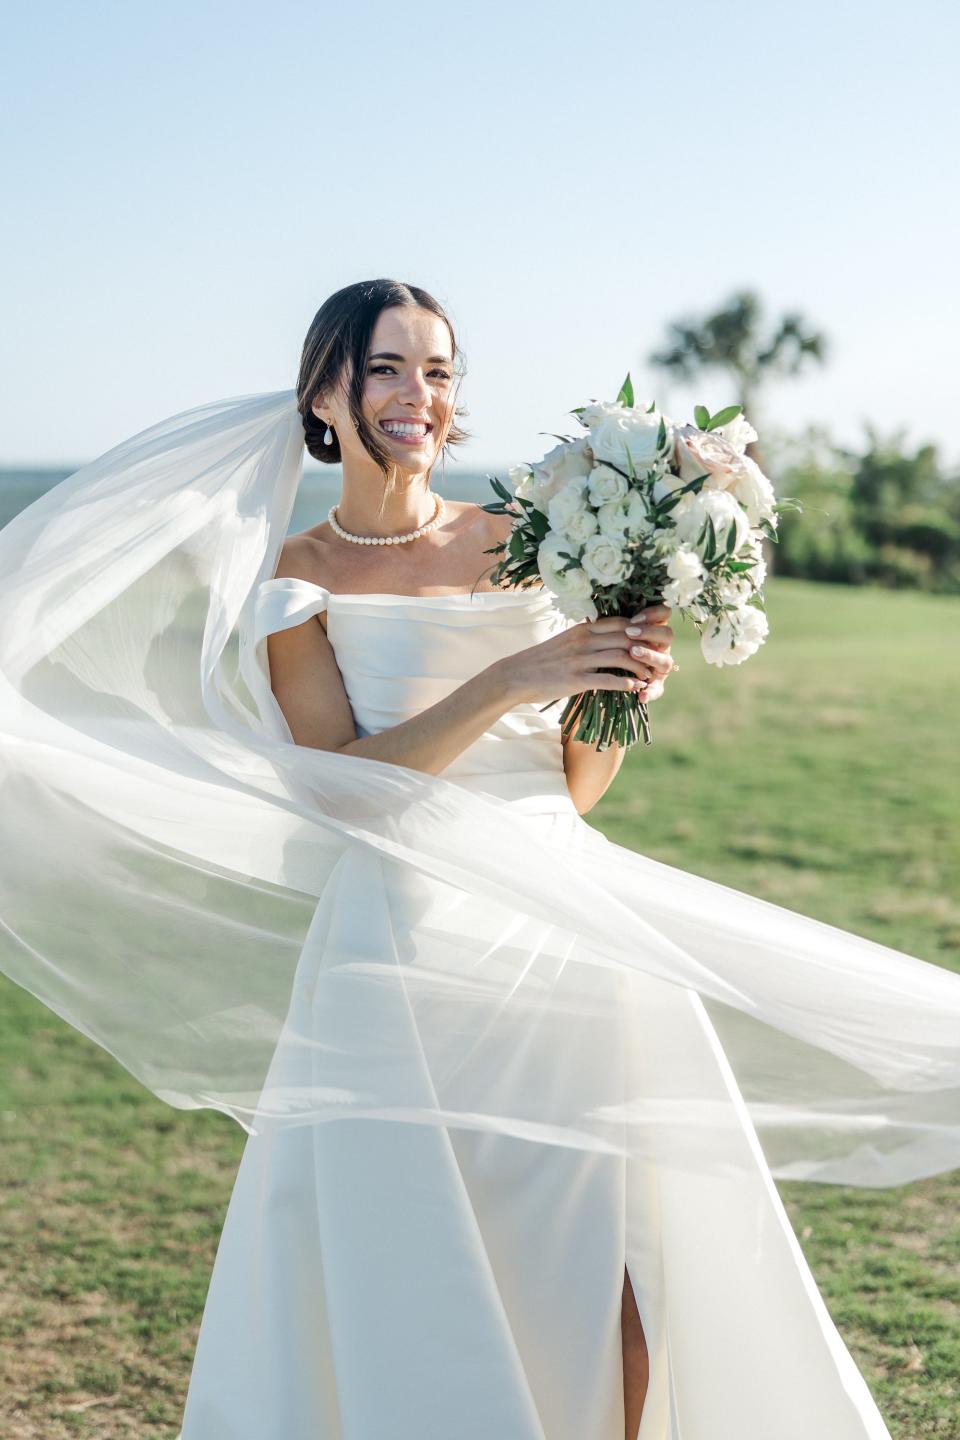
(578, 659)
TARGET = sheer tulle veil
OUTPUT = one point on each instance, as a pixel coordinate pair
(170, 856)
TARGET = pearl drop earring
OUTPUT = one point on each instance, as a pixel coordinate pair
(328, 436)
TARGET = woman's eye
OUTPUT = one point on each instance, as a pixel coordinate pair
(381, 369)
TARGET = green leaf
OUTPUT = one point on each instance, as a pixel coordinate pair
(538, 523)
(731, 539)
(500, 488)
(516, 545)
(701, 416)
(711, 550)
(738, 566)
(723, 417)
(664, 506)
(626, 392)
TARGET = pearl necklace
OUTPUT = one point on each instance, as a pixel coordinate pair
(386, 539)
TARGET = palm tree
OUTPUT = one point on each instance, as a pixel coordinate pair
(730, 340)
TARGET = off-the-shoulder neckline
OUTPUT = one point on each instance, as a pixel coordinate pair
(396, 595)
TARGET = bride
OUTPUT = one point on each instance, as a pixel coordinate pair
(293, 833)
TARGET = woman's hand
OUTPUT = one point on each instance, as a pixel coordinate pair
(651, 638)
(580, 658)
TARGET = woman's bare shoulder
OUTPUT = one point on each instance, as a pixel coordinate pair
(302, 558)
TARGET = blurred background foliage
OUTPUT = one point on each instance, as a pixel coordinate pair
(885, 514)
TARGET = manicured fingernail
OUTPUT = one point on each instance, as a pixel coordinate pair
(633, 630)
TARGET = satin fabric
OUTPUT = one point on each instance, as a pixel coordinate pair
(404, 1280)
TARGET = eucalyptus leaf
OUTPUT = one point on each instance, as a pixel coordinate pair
(625, 396)
(723, 417)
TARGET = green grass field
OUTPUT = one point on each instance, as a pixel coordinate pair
(821, 775)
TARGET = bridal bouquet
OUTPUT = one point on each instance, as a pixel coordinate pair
(639, 510)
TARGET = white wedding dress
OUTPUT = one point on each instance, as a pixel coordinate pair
(377, 1280)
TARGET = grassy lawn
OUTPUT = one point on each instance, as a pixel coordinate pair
(821, 775)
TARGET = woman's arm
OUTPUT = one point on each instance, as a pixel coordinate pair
(591, 772)
(308, 686)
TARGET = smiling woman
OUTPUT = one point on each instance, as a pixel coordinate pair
(379, 378)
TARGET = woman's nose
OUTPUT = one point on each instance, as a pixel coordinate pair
(415, 389)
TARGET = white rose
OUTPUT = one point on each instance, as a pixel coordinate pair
(755, 493)
(703, 452)
(580, 526)
(564, 462)
(613, 519)
(693, 511)
(686, 577)
(571, 585)
(731, 639)
(627, 432)
(605, 485)
(735, 591)
(576, 607)
(638, 521)
(738, 431)
(570, 500)
(604, 559)
(592, 414)
(521, 478)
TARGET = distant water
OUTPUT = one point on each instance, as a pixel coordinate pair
(318, 490)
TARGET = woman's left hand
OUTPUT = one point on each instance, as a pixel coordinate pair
(650, 639)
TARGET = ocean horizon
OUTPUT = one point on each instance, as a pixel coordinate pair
(20, 486)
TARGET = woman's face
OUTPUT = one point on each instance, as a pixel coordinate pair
(408, 391)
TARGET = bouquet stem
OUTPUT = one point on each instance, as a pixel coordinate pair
(606, 717)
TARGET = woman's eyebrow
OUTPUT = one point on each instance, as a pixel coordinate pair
(431, 359)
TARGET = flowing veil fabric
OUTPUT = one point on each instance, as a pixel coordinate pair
(167, 849)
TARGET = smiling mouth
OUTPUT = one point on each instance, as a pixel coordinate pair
(406, 432)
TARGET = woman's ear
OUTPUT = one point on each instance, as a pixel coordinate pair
(318, 405)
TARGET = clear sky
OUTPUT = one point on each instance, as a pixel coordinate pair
(184, 184)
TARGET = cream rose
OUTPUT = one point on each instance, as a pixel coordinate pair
(701, 452)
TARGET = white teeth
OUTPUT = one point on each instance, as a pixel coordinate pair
(398, 428)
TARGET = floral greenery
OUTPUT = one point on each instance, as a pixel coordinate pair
(724, 558)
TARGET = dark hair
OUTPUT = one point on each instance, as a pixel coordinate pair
(339, 336)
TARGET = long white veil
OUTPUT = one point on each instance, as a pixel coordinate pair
(170, 856)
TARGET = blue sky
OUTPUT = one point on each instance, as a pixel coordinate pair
(185, 183)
